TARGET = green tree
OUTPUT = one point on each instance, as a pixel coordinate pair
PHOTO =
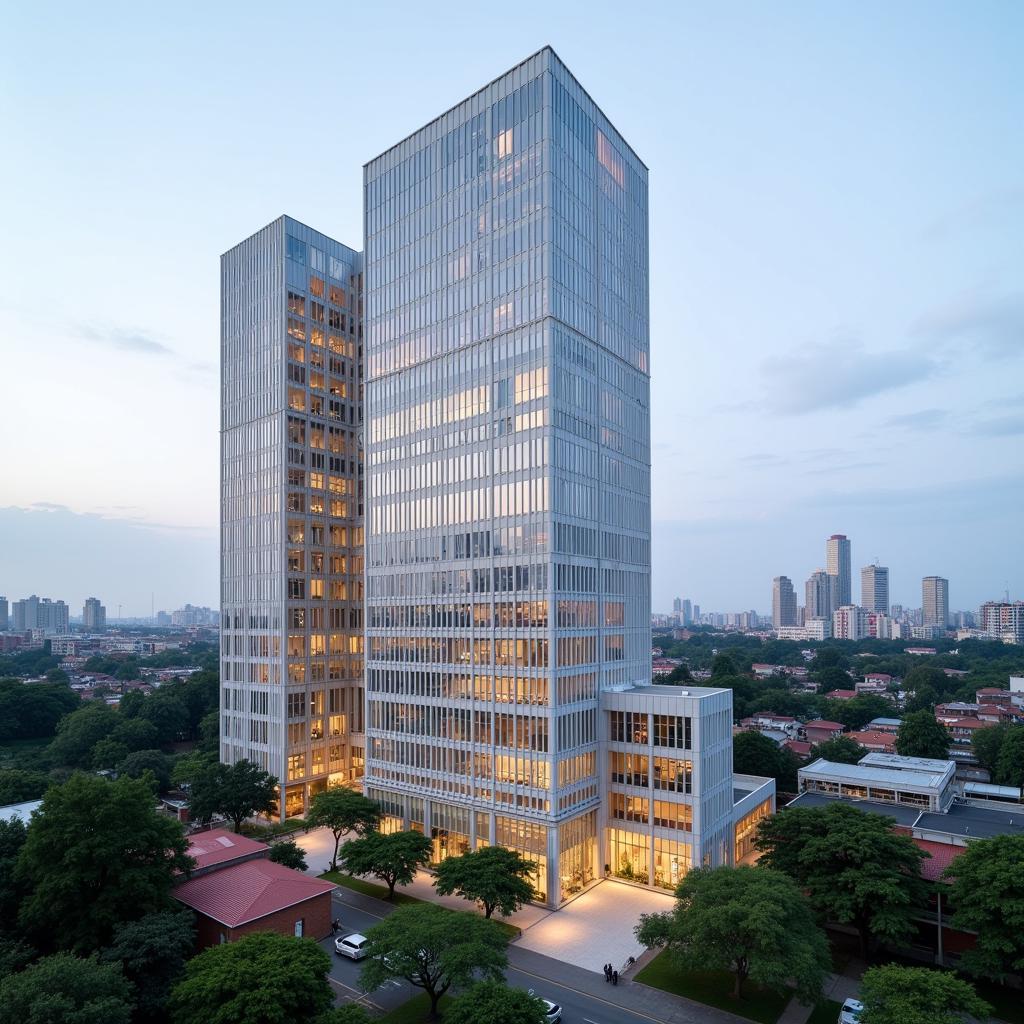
(15, 955)
(928, 678)
(136, 734)
(347, 1014)
(264, 978)
(79, 732)
(152, 953)
(189, 767)
(491, 1002)
(840, 749)
(494, 876)
(107, 752)
(13, 835)
(832, 678)
(167, 714)
(924, 698)
(753, 753)
(853, 866)
(66, 989)
(290, 854)
(987, 743)
(722, 665)
(97, 856)
(680, 674)
(433, 949)
(1010, 765)
(342, 810)
(750, 921)
(32, 712)
(18, 785)
(988, 898)
(916, 995)
(921, 735)
(829, 656)
(856, 712)
(394, 858)
(238, 791)
(156, 762)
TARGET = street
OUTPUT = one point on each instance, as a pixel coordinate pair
(358, 913)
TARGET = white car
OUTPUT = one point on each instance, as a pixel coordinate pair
(851, 1011)
(552, 1011)
(353, 946)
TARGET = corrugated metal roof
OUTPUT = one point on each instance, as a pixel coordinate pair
(246, 892)
(218, 846)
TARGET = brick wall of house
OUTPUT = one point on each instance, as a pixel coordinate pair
(315, 914)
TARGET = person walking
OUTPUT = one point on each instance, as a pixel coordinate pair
(615, 977)
(607, 972)
(335, 925)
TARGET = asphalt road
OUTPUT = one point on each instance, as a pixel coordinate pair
(578, 1007)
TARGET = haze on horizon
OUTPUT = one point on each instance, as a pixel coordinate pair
(837, 296)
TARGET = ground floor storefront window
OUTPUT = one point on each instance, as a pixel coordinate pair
(629, 855)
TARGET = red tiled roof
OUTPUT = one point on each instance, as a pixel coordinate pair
(941, 856)
(821, 723)
(842, 694)
(868, 737)
(248, 891)
(798, 747)
(218, 845)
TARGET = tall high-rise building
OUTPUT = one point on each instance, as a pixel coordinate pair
(291, 509)
(4, 614)
(94, 615)
(508, 517)
(41, 613)
(819, 595)
(677, 606)
(935, 601)
(783, 602)
(874, 588)
(1003, 619)
(837, 565)
(687, 612)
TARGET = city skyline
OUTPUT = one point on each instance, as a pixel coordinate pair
(769, 426)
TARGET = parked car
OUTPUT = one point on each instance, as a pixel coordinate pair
(353, 946)
(851, 1011)
(552, 1011)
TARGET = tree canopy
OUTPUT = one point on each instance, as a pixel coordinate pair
(750, 921)
(237, 791)
(343, 810)
(840, 749)
(753, 753)
(921, 735)
(290, 854)
(988, 898)
(97, 856)
(494, 876)
(33, 711)
(916, 995)
(433, 949)
(152, 953)
(67, 989)
(263, 978)
(854, 867)
(491, 1002)
(394, 858)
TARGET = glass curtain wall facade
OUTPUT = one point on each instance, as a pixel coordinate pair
(292, 509)
(508, 466)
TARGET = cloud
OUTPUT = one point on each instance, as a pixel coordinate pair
(1003, 426)
(763, 459)
(992, 326)
(923, 419)
(50, 506)
(838, 375)
(127, 340)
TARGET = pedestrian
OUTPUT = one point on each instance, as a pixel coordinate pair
(607, 974)
(335, 925)
(615, 977)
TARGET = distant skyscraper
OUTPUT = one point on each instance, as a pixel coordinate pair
(874, 588)
(40, 613)
(783, 602)
(687, 612)
(94, 615)
(1003, 619)
(935, 601)
(850, 622)
(4, 616)
(696, 613)
(837, 565)
(819, 595)
(677, 606)
(291, 510)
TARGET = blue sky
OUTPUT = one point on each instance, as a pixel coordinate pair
(837, 285)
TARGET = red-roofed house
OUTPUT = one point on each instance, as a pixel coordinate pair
(256, 896)
(819, 730)
(799, 747)
(993, 695)
(841, 695)
(963, 729)
(218, 848)
(940, 856)
(871, 739)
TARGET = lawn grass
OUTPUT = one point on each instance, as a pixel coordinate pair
(714, 988)
(414, 1011)
(380, 892)
(826, 1011)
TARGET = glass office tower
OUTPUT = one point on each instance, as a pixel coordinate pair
(291, 509)
(508, 468)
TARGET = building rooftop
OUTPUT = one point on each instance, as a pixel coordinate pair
(246, 892)
(218, 845)
(973, 822)
(667, 690)
(885, 721)
(899, 762)
(19, 812)
(823, 723)
(940, 856)
(900, 813)
(872, 774)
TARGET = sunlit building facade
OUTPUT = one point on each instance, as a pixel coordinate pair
(292, 509)
(508, 469)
